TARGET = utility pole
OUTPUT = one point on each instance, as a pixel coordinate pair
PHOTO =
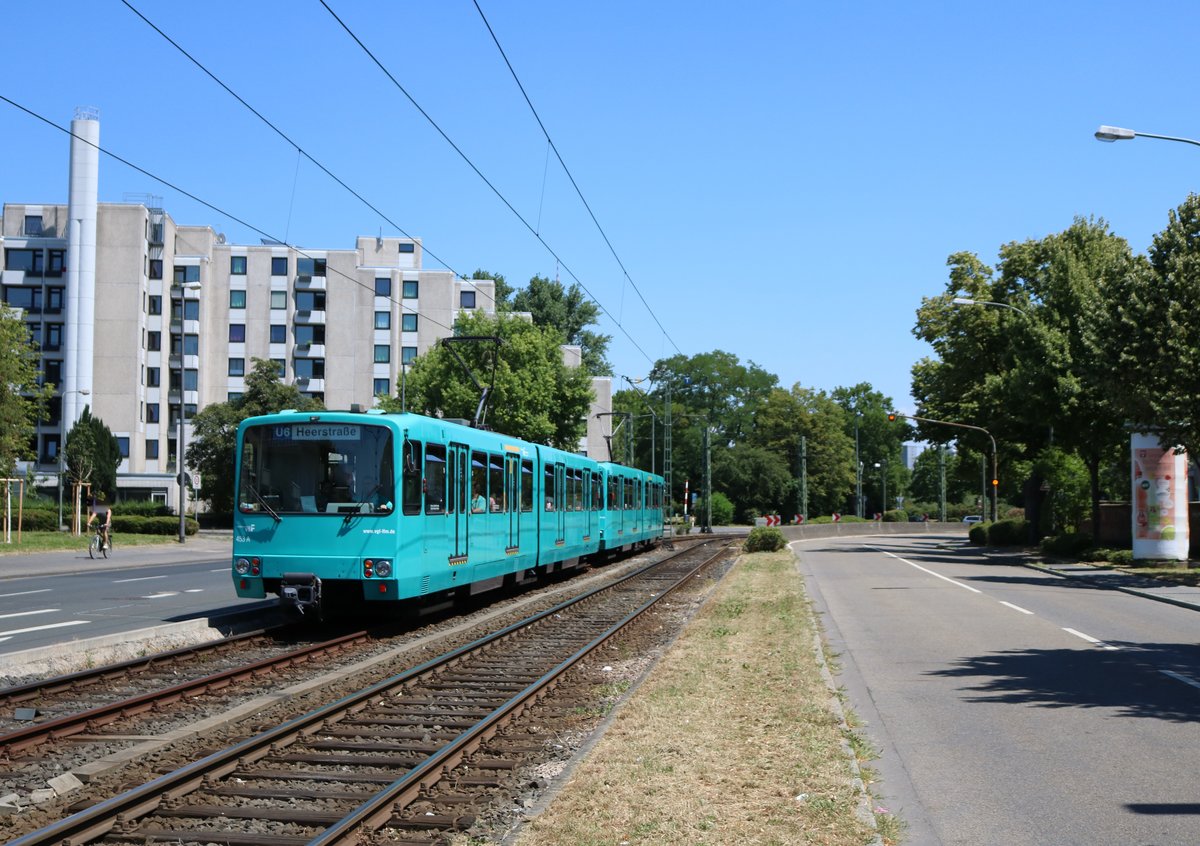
(942, 486)
(707, 527)
(803, 512)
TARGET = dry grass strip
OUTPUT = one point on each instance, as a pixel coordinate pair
(730, 740)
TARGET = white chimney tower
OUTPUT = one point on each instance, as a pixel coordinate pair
(81, 263)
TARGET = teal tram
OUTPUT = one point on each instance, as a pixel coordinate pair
(339, 508)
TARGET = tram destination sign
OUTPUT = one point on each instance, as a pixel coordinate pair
(317, 432)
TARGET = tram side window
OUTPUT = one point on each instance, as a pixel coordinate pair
(526, 484)
(435, 478)
(496, 482)
(597, 493)
(613, 502)
(548, 487)
(577, 489)
(478, 482)
(411, 477)
(629, 494)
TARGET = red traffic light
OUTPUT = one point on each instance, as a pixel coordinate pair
(892, 417)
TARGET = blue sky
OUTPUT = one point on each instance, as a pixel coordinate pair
(783, 181)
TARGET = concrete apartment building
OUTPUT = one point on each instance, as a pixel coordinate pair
(138, 316)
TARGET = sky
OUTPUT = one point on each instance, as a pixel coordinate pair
(782, 181)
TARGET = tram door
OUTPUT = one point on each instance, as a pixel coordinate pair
(589, 507)
(560, 503)
(512, 499)
(458, 470)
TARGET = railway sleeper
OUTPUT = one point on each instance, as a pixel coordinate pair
(153, 834)
(298, 816)
(429, 821)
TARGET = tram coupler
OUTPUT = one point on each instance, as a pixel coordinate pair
(301, 591)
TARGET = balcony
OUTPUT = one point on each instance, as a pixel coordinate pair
(308, 351)
(310, 318)
(310, 283)
(310, 384)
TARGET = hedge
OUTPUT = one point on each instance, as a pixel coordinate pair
(765, 539)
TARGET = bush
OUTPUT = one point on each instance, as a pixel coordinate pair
(142, 508)
(1006, 533)
(978, 534)
(1068, 544)
(1121, 557)
(896, 515)
(765, 539)
(35, 520)
(138, 525)
(722, 510)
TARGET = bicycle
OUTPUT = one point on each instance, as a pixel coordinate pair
(98, 546)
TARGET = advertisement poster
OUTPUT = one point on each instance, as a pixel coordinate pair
(1160, 523)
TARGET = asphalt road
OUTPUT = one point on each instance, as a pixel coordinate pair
(64, 598)
(1009, 705)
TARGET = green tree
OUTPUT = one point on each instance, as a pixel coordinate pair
(1151, 334)
(879, 440)
(93, 455)
(214, 436)
(535, 396)
(570, 312)
(22, 398)
(756, 480)
(504, 291)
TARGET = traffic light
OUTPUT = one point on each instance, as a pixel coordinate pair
(891, 417)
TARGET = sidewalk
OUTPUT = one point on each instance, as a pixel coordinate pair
(205, 546)
(1107, 577)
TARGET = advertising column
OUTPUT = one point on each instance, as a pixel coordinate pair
(1160, 507)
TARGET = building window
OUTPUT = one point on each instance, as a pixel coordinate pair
(53, 336)
(186, 273)
(383, 320)
(310, 301)
(408, 323)
(152, 449)
(411, 287)
(188, 309)
(466, 299)
(57, 263)
(152, 377)
(383, 286)
(153, 341)
(237, 333)
(233, 396)
(408, 247)
(237, 265)
(383, 387)
(278, 333)
(191, 345)
(26, 299)
(306, 334)
(279, 299)
(156, 268)
(279, 266)
(33, 226)
(154, 304)
(191, 379)
(237, 367)
(123, 446)
(383, 353)
(54, 300)
(280, 367)
(52, 371)
(309, 368)
(152, 413)
(29, 261)
(237, 299)
(407, 354)
(310, 267)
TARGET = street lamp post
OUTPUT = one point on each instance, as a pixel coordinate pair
(995, 478)
(62, 447)
(969, 301)
(1117, 133)
(881, 466)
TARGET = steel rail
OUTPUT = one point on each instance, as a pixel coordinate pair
(100, 819)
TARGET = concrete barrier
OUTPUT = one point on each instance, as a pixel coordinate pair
(810, 531)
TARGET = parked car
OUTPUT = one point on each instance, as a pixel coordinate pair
(972, 519)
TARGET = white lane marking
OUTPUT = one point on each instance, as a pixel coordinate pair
(194, 590)
(25, 593)
(220, 570)
(29, 613)
(930, 572)
(161, 594)
(2, 639)
(142, 579)
(1016, 607)
(1182, 678)
(1089, 638)
(43, 628)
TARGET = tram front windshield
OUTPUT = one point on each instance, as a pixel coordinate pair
(316, 468)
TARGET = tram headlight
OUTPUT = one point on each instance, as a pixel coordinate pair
(383, 568)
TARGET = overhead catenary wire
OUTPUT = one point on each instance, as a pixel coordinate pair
(262, 232)
(532, 230)
(571, 177)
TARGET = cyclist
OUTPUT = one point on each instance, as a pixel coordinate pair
(103, 525)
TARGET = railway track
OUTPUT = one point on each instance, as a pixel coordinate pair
(411, 753)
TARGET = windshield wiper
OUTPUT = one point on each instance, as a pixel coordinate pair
(360, 503)
(264, 503)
